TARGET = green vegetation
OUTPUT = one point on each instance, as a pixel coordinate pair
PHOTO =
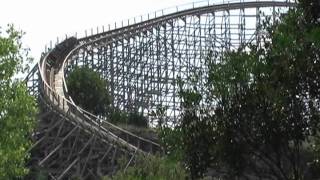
(151, 168)
(17, 108)
(137, 119)
(171, 140)
(265, 116)
(89, 90)
(132, 118)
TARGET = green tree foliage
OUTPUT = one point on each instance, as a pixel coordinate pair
(152, 168)
(311, 11)
(118, 117)
(137, 119)
(132, 118)
(172, 142)
(196, 134)
(265, 115)
(89, 91)
(17, 108)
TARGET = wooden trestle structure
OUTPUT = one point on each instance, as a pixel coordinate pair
(141, 62)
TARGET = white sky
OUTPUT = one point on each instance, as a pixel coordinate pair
(44, 20)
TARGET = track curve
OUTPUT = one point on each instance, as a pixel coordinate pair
(71, 142)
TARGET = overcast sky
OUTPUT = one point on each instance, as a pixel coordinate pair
(44, 20)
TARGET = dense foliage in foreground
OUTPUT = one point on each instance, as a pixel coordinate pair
(17, 108)
(264, 120)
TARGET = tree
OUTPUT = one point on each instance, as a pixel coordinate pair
(89, 91)
(265, 100)
(17, 108)
(196, 134)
